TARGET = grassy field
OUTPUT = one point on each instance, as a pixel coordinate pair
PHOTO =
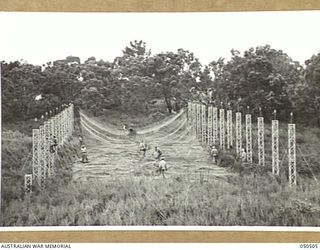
(250, 197)
(242, 200)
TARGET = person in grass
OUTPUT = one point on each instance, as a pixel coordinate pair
(80, 140)
(84, 154)
(143, 148)
(162, 167)
(157, 153)
(214, 154)
(243, 155)
(157, 156)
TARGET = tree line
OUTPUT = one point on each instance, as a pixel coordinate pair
(259, 78)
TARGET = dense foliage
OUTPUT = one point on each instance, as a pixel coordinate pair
(259, 77)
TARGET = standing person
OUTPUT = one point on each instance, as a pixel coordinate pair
(162, 167)
(157, 153)
(243, 155)
(214, 154)
(84, 154)
(143, 148)
(80, 140)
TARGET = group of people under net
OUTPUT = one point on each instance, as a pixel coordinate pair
(159, 161)
(215, 154)
(160, 164)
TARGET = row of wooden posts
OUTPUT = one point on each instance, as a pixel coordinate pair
(46, 141)
(210, 125)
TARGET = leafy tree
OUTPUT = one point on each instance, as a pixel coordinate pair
(130, 73)
(308, 96)
(261, 77)
(174, 74)
(20, 86)
(136, 49)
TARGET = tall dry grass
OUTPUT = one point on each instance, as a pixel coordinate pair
(248, 198)
(245, 200)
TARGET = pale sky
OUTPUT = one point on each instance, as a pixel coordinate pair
(42, 37)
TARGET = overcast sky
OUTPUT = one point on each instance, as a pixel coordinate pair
(42, 37)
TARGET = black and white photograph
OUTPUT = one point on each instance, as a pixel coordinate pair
(205, 120)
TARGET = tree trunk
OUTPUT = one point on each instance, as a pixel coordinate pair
(168, 103)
